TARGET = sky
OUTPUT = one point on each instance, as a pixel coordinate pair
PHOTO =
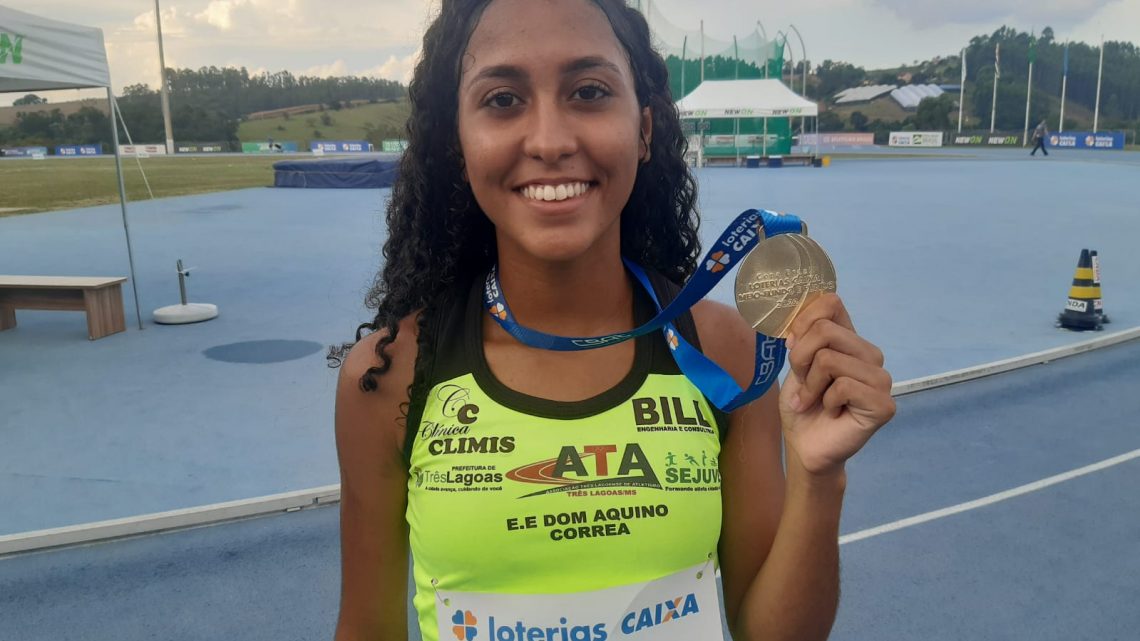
(381, 37)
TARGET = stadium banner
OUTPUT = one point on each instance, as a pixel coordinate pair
(24, 152)
(837, 140)
(1003, 141)
(741, 140)
(200, 148)
(393, 146)
(79, 150)
(915, 139)
(142, 150)
(268, 147)
(1087, 140)
(987, 139)
(340, 146)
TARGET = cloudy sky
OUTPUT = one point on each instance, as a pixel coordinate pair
(380, 37)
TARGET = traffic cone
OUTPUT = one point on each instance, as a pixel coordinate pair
(1080, 310)
(1098, 305)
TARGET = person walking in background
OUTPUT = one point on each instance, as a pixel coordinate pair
(1039, 135)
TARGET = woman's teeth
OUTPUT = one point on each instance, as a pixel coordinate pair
(554, 192)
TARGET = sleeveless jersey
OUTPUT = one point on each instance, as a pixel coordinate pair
(511, 494)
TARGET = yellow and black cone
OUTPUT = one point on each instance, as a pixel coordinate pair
(1080, 309)
(1098, 304)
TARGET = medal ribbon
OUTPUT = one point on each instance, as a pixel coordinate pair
(718, 386)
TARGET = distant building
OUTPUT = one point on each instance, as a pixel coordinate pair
(909, 96)
(857, 95)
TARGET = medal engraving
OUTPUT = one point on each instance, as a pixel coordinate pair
(780, 277)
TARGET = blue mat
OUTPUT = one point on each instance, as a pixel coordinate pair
(335, 173)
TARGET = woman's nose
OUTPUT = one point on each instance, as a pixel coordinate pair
(551, 134)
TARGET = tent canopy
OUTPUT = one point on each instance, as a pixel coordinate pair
(38, 54)
(765, 98)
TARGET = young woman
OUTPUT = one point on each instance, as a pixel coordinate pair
(531, 486)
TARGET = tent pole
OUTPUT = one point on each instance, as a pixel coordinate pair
(123, 202)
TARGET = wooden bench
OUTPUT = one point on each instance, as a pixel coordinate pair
(101, 298)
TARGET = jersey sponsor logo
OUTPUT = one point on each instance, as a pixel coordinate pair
(460, 478)
(472, 445)
(672, 610)
(520, 631)
(465, 625)
(570, 473)
(453, 434)
(686, 472)
(568, 526)
(669, 414)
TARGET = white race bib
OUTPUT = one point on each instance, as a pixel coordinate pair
(679, 607)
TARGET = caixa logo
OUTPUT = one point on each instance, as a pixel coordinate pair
(672, 610)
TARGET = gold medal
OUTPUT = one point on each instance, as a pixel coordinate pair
(780, 277)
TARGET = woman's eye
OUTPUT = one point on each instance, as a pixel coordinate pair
(502, 100)
(591, 92)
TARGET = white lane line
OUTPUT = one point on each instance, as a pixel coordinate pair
(997, 367)
(988, 500)
(172, 520)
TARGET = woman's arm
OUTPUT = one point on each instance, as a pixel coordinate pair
(779, 548)
(373, 530)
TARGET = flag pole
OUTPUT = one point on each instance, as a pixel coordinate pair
(1064, 86)
(1029, 88)
(962, 91)
(997, 74)
(1099, 72)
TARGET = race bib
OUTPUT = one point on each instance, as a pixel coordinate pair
(679, 607)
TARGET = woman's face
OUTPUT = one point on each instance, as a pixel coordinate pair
(550, 127)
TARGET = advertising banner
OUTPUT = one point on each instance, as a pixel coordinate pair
(838, 140)
(1087, 140)
(202, 148)
(340, 146)
(742, 140)
(997, 139)
(268, 147)
(24, 152)
(143, 150)
(79, 150)
(393, 146)
(915, 139)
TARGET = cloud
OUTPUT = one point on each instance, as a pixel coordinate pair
(935, 13)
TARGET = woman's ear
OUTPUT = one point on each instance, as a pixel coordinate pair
(646, 135)
(645, 152)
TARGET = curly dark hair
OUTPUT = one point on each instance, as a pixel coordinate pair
(436, 229)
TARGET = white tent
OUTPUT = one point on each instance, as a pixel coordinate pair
(762, 98)
(38, 54)
(745, 99)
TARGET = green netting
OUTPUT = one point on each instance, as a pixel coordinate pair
(742, 56)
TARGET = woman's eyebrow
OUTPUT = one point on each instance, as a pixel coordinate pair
(512, 72)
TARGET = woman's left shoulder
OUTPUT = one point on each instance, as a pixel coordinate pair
(726, 338)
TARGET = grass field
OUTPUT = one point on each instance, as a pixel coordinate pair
(42, 185)
(346, 124)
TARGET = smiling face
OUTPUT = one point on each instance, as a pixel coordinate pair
(550, 127)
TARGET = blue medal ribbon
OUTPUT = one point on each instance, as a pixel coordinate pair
(741, 236)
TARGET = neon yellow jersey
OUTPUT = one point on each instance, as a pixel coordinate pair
(512, 494)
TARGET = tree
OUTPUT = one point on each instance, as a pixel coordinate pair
(30, 99)
(830, 121)
(837, 76)
(859, 121)
(934, 113)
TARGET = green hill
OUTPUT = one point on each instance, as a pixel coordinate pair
(373, 122)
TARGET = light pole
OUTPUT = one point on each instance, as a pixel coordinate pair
(764, 35)
(162, 81)
(803, 60)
